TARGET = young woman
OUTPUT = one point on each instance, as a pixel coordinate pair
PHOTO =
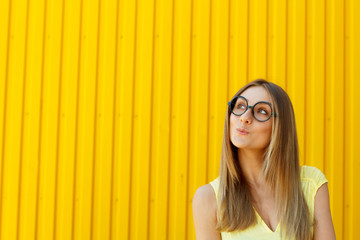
(262, 192)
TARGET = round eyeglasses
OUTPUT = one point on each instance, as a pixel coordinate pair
(261, 111)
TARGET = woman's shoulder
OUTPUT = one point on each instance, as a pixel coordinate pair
(204, 201)
(205, 195)
(204, 213)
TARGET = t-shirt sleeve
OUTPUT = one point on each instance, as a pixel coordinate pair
(315, 177)
(311, 180)
(319, 178)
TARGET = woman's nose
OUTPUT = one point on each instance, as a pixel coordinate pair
(246, 117)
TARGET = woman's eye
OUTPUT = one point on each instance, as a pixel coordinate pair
(263, 111)
(240, 106)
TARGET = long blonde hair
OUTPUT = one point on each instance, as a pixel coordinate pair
(280, 168)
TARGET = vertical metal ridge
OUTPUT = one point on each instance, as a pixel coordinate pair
(267, 41)
(286, 42)
(324, 89)
(247, 40)
(208, 98)
(38, 177)
(59, 119)
(170, 118)
(77, 122)
(228, 49)
(189, 119)
(345, 189)
(95, 122)
(5, 111)
(132, 114)
(23, 109)
(151, 119)
(114, 122)
(305, 75)
(208, 91)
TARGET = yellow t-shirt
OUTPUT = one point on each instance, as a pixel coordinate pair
(311, 179)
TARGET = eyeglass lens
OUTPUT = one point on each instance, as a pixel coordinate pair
(261, 111)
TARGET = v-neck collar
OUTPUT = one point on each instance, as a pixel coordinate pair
(265, 225)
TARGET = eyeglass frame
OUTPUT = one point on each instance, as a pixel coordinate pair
(252, 108)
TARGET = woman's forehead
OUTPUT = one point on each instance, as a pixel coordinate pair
(256, 94)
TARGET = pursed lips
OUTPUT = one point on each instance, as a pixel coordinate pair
(242, 131)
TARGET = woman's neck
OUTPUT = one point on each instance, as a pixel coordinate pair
(251, 165)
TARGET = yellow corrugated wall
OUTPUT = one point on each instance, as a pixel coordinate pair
(112, 112)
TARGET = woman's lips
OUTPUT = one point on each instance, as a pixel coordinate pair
(242, 131)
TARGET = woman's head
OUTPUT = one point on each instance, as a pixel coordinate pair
(273, 134)
(250, 119)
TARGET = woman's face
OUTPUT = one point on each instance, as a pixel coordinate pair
(245, 131)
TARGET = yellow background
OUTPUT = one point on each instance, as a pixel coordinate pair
(112, 112)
